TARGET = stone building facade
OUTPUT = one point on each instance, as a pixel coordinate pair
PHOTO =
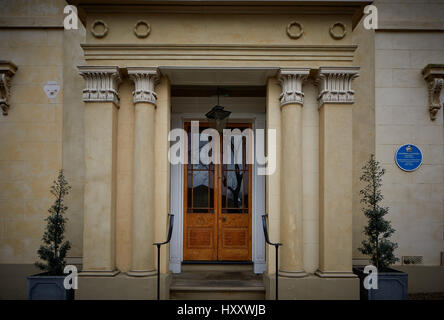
(99, 101)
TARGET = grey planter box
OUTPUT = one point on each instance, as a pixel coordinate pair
(43, 287)
(392, 285)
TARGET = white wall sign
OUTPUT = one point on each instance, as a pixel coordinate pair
(51, 89)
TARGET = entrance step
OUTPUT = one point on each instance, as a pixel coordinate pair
(217, 285)
(217, 267)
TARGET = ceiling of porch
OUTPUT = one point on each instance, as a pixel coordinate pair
(214, 76)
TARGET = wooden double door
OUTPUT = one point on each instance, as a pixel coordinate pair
(217, 205)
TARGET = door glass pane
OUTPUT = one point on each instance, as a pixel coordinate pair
(200, 182)
(238, 157)
(211, 187)
(234, 185)
(235, 177)
(245, 192)
(195, 151)
(235, 191)
(200, 189)
(189, 189)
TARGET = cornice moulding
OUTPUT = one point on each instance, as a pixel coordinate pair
(353, 8)
(276, 7)
(54, 22)
(232, 52)
(118, 46)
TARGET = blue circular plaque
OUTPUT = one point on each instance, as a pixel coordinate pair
(408, 157)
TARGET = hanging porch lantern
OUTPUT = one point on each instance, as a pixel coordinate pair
(217, 116)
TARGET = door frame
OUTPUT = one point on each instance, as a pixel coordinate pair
(177, 193)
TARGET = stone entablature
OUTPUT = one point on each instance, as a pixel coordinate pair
(291, 82)
(434, 76)
(7, 71)
(145, 79)
(335, 84)
(101, 84)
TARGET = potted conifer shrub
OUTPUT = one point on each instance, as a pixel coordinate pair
(48, 285)
(392, 284)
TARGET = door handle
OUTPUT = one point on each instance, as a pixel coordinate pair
(224, 218)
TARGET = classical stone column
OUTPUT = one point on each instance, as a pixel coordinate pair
(291, 100)
(101, 103)
(142, 261)
(335, 170)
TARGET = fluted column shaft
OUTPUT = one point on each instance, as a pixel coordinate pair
(291, 182)
(144, 97)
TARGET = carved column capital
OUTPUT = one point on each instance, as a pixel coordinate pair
(335, 84)
(291, 82)
(434, 76)
(7, 71)
(145, 79)
(102, 84)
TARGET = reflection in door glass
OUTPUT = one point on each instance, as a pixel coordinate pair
(235, 183)
(200, 182)
(200, 191)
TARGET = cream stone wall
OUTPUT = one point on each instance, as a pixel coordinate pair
(32, 13)
(363, 123)
(410, 14)
(73, 137)
(31, 143)
(415, 199)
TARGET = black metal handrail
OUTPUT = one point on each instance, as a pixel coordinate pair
(276, 246)
(159, 244)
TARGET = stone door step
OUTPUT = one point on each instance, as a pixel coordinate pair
(217, 285)
(217, 267)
